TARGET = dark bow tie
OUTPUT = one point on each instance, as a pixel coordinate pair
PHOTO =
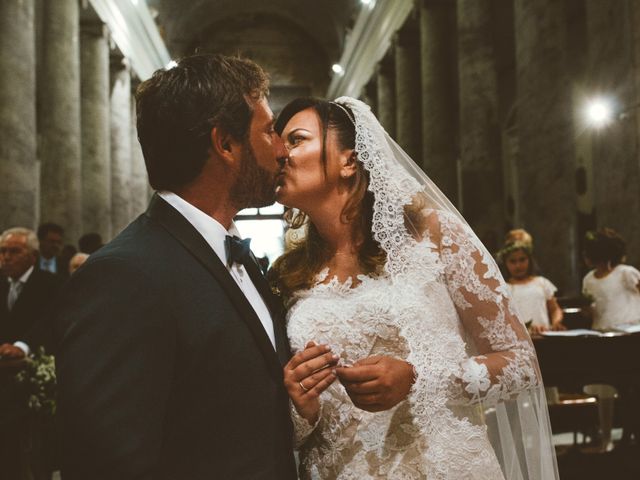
(238, 250)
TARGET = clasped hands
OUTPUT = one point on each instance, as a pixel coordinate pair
(374, 383)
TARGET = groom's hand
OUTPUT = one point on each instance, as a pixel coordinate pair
(377, 383)
(307, 375)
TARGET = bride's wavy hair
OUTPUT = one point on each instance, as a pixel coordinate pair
(304, 258)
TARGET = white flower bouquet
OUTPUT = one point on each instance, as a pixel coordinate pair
(36, 384)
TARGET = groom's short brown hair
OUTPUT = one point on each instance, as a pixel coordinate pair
(178, 107)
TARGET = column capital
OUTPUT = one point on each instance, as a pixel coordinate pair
(94, 28)
(117, 61)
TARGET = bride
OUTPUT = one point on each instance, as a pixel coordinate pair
(430, 372)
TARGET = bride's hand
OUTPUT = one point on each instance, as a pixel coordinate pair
(377, 383)
(307, 375)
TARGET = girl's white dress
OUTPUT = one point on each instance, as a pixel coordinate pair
(531, 300)
(616, 297)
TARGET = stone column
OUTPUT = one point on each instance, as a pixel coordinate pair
(386, 98)
(96, 133)
(615, 154)
(408, 86)
(139, 180)
(480, 138)
(120, 144)
(546, 162)
(439, 94)
(364, 96)
(59, 118)
(18, 159)
(371, 93)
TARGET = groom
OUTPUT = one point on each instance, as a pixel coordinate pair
(171, 344)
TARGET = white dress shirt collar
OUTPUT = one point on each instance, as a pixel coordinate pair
(212, 231)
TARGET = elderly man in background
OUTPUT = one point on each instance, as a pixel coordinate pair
(25, 295)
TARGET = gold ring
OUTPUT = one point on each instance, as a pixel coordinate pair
(305, 389)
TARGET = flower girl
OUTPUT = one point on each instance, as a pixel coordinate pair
(534, 295)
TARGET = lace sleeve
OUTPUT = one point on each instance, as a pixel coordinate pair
(302, 429)
(502, 359)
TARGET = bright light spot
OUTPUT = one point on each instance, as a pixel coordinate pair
(599, 112)
(337, 68)
(171, 64)
(267, 236)
(365, 2)
(135, 2)
(368, 3)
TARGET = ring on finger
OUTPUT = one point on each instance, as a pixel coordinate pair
(304, 389)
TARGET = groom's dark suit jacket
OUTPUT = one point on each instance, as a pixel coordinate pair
(164, 369)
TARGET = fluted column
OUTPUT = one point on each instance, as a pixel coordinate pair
(96, 133)
(615, 154)
(139, 182)
(371, 93)
(480, 144)
(408, 86)
(59, 117)
(546, 163)
(439, 93)
(18, 161)
(369, 96)
(121, 169)
(386, 98)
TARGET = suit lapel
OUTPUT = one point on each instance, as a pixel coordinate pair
(180, 228)
(275, 308)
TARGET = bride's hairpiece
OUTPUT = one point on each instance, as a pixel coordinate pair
(344, 109)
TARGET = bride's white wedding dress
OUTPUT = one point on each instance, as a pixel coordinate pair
(439, 431)
(477, 409)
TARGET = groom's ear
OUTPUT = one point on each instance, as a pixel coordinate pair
(223, 145)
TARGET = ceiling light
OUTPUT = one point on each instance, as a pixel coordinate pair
(337, 69)
(599, 112)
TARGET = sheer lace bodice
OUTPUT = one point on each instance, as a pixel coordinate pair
(451, 319)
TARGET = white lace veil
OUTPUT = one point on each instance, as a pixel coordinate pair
(497, 392)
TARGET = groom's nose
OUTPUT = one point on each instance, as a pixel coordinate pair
(281, 151)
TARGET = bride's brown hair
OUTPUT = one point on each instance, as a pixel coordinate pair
(298, 266)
